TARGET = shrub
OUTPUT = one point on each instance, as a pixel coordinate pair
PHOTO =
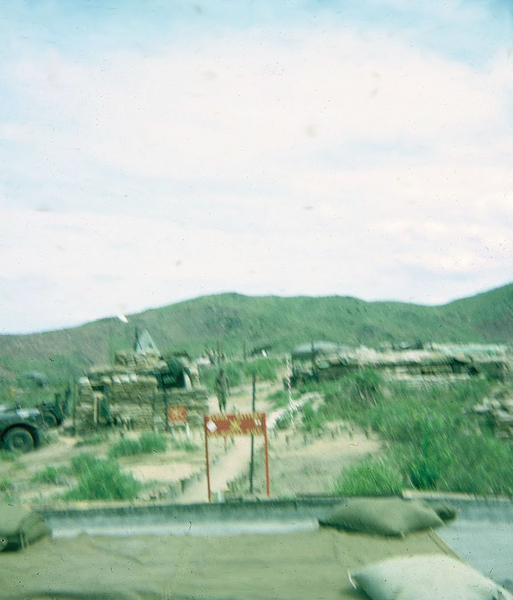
(370, 477)
(240, 372)
(233, 371)
(280, 398)
(152, 442)
(366, 386)
(54, 475)
(125, 447)
(311, 420)
(284, 422)
(9, 455)
(186, 446)
(82, 463)
(93, 440)
(99, 479)
(263, 368)
(146, 444)
(480, 465)
(438, 444)
(6, 484)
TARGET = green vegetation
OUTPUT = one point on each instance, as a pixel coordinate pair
(6, 484)
(9, 455)
(239, 372)
(370, 477)
(146, 444)
(239, 321)
(99, 479)
(263, 368)
(311, 419)
(53, 475)
(152, 442)
(93, 440)
(437, 444)
(280, 398)
(46, 438)
(186, 446)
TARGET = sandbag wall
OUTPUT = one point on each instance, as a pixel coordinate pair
(499, 411)
(133, 401)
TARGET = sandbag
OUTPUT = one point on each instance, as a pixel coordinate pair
(382, 516)
(20, 527)
(426, 577)
(446, 511)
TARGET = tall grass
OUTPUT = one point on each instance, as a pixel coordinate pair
(100, 479)
(52, 475)
(370, 477)
(437, 442)
(145, 444)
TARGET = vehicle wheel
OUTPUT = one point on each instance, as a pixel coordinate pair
(50, 419)
(19, 439)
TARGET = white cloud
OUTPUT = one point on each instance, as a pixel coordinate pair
(316, 164)
(243, 104)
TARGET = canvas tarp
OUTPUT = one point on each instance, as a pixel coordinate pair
(292, 566)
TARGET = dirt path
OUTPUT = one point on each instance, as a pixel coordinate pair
(235, 460)
(299, 463)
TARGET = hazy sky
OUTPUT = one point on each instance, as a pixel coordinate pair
(156, 151)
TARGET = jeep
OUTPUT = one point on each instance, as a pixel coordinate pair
(20, 428)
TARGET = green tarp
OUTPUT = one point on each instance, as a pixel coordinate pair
(295, 566)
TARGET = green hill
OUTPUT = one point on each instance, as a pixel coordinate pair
(237, 321)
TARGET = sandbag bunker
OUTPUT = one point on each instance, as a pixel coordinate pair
(382, 549)
(20, 527)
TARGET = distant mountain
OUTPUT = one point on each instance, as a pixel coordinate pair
(238, 321)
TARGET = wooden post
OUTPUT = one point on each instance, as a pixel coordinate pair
(165, 405)
(207, 460)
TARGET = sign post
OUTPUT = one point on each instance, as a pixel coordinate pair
(252, 461)
(177, 416)
(208, 462)
(232, 425)
(266, 451)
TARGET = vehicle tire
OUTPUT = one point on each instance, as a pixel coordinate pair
(50, 419)
(19, 439)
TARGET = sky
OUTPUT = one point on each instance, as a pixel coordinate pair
(156, 151)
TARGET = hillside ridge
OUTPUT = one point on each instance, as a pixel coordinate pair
(241, 322)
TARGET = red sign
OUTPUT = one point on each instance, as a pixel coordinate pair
(177, 414)
(231, 425)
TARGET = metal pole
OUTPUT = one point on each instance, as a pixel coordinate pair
(266, 449)
(289, 389)
(207, 460)
(252, 461)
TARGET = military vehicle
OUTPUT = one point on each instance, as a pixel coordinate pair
(20, 428)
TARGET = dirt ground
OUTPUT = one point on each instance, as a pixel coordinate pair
(302, 464)
(299, 463)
